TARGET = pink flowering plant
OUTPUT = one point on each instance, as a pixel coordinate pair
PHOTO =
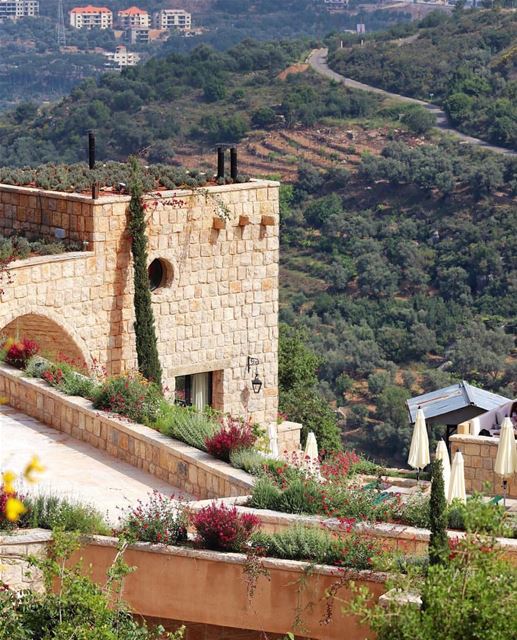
(223, 528)
(235, 433)
(160, 520)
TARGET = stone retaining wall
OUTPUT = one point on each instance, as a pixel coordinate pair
(15, 569)
(479, 453)
(183, 466)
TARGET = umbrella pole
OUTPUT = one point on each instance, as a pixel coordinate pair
(418, 476)
(505, 491)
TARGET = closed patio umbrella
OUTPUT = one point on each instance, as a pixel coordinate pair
(506, 458)
(311, 449)
(443, 455)
(457, 484)
(419, 450)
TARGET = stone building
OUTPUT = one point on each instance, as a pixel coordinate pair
(214, 271)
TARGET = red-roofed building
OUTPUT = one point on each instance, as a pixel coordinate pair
(133, 17)
(90, 17)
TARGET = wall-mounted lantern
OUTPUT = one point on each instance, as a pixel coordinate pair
(256, 382)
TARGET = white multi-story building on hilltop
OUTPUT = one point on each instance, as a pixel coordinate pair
(133, 17)
(13, 9)
(173, 19)
(90, 17)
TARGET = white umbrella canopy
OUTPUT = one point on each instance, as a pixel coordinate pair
(506, 458)
(311, 447)
(419, 450)
(443, 455)
(457, 483)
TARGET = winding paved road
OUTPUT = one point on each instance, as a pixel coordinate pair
(318, 61)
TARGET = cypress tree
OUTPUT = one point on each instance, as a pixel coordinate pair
(439, 542)
(145, 333)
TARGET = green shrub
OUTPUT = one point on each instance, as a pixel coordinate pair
(415, 512)
(479, 516)
(131, 396)
(36, 366)
(185, 423)
(301, 496)
(318, 546)
(250, 460)
(49, 512)
(265, 494)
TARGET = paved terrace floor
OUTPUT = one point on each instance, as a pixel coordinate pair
(74, 469)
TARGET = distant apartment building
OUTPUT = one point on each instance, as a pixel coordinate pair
(90, 17)
(173, 19)
(133, 17)
(122, 58)
(14, 9)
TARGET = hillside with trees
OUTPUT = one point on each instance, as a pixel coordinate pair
(199, 99)
(466, 62)
(402, 278)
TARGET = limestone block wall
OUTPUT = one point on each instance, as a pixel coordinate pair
(182, 466)
(479, 453)
(40, 213)
(219, 304)
(15, 548)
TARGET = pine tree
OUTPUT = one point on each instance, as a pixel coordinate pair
(439, 542)
(145, 333)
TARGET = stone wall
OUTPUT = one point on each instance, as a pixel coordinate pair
(34, 212)
(479, 453)
(219, 302)
(15, 547)
(183, 466)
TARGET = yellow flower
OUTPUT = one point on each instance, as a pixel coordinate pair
(14, 509)
(33, 467)
(8, 478)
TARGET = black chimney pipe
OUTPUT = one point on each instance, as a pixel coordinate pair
(91, 149)
(233, 163)
(220, 162)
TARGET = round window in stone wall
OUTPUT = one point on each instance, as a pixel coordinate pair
(160, 274)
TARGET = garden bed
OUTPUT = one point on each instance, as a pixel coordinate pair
(406, 540)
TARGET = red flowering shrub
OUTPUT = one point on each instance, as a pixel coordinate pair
(131, 396)
(338, 465)
(19, 352)
(222, 528)
(235, 434)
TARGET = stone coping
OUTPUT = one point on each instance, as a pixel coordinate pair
(468, 439)
(112, 198)
(60, 257)
(25, 536)
(180, 450)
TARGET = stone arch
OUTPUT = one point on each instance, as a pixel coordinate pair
(52, 336)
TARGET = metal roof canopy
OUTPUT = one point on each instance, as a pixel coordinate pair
(454, 404)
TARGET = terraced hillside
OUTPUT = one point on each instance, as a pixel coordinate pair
(281, 152)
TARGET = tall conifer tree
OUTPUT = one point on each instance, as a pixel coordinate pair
(439, 542)
(145, 333)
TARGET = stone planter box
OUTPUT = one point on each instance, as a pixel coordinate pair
(183, 466)
(397, 537)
